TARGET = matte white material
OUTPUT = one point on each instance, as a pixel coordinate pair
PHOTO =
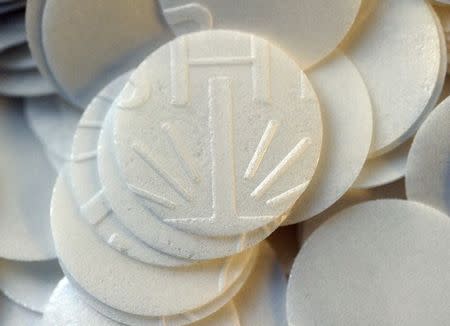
(24, 83)
(129, 285)
(309, 30)
(347, 119)
(384, 48)
(428, 167)
(383, 262)
(33, 22)
(84, 55)
(29, 284)
(88, 190)
(12, 30)
(12, 314)
(384, 169)
(17, 58)
(217, 134)
(54, 122)
(67, 307)
(27, 180)
(394, 190)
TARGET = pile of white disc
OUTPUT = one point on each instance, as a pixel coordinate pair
(252, 162)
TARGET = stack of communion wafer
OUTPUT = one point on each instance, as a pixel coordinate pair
(229, 163)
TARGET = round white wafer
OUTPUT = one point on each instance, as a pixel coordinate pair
(127, 284)
(217, 134)
(384, 48)
(88, 190)
(27, 180)
(347, 119)
(385, 169)
(118, 36)
(309, 30)
(29, 284)
(67, 307)
(428, 167)
(12, 314)
(383, 262)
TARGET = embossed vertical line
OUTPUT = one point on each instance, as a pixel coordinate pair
(182, 151)
(282, 167)
(262, 148)
(261, 70)
(222, 148)
(179, 72)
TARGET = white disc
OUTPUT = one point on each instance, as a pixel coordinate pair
(26, 83)
(88, 190)
(12, 314)
(12, 30)
(54, 122)
(404, 80)
(383, 262)
(84, 55)
(27, 179)
(428, 167)
(347, 119)
(184, 318)
(17, 58)
(29, 284)
(394, 190)
(67, 307)
(385, 169)
(217, 134)
(309, 30)
(129, 285)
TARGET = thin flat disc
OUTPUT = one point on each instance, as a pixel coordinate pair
(384, 169)
(27, 180)
(129, 285)
(347, 119)
(384, 262)
(428, 167)
(227, 148)
(404, 80)
(29, 284)
(84, 55)
(12, 314)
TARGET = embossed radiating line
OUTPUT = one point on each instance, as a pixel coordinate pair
(282, 167)
(91, 124)
(118, 243)
(262, 148)
(86, 156)
(261, 70)
(221, 145)
(181, 149)
(144, 153)
(152, 197)
(179, 72)
(293, 193)
(96, 209)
